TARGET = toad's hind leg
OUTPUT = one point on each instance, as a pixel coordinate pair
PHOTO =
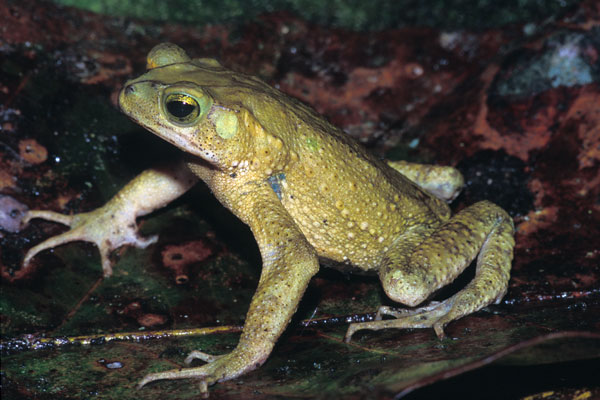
(441, 181)
(409, 277)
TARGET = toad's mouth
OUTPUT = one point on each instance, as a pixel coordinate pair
(193, 159)
(182, 137)
(193, 151)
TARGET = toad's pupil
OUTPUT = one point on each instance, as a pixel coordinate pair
(180, 109)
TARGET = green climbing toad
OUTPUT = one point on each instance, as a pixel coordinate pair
(308, 193)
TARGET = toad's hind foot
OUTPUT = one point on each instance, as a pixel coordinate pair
(488, 230)
(435, 315)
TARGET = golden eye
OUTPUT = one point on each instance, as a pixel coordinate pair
(182, 108)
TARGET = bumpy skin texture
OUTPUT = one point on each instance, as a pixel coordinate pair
(308, 192)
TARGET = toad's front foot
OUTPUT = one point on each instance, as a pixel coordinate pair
(113, 225)
(218, 369)
(108, 227)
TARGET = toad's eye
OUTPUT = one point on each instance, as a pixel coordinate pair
(182, 108)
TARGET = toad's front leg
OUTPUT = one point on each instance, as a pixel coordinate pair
(113, 225)
(289, 262)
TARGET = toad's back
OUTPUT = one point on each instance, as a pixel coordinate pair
(350, 206)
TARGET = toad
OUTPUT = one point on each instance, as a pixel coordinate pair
(309, 193)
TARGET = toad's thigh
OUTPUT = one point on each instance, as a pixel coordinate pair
(416, 268)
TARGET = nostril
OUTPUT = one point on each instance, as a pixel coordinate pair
(129, 89)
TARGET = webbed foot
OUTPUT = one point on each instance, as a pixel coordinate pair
(434, 315)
